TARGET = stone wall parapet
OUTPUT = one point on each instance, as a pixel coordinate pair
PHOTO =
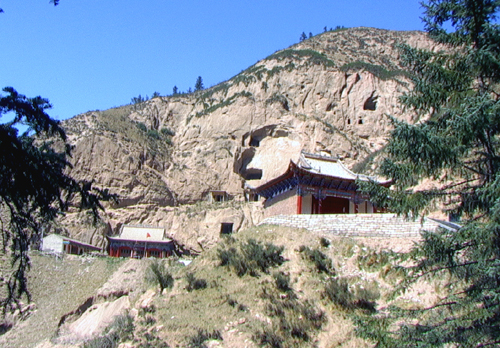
(356, 225)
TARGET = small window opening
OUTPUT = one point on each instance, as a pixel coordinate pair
(348, 121)
(360, 121)
(226, 228)
(219, 198)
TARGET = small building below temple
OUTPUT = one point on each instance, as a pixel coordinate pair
(61, 244)
(140, 241)
(316, 184)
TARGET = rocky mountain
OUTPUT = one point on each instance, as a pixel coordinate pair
(330, 93)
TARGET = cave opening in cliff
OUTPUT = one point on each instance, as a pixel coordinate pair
(226, 228)
(252, 174)
(255, 141)
(371, 103)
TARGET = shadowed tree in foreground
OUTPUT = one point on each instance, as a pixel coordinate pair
(458, 91)
(34, 186)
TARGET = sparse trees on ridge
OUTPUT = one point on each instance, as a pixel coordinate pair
(198, 86)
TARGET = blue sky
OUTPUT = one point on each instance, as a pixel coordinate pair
(95, 54)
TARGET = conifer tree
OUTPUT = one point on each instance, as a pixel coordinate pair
(456, 96)
(198, 86)
(34, 185)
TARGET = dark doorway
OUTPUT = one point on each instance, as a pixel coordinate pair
(226, 228)
(330, 205)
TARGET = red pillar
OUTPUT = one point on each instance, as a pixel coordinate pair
(299, 204)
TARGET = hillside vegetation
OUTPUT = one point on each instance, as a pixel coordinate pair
(267, 286)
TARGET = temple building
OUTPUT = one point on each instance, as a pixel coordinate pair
(316, 184)
(140, 241)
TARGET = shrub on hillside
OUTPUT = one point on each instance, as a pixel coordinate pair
(293, 320)
(195, 283)
(325, 243)
(142, 126)
(322, 263)
(373, 261)
(251, 257)
(198, 340)
(282, 281)
(337, 291)
(158, 274)
(119, 330)
(167, 131)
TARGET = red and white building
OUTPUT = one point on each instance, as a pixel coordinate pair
(316, 184)
(141, 241)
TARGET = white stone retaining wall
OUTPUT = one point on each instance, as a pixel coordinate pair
(356, 225)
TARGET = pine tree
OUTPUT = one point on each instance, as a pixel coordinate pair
(175, 90)
(198, 86)
(303, 36)
(34, 185)
(456, 96)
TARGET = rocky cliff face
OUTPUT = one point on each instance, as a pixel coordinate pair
(331, 93)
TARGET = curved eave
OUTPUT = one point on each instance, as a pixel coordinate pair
(296, 175)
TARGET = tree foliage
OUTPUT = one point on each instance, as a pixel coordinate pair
(456, 92)
(34, 185)
(198, 86)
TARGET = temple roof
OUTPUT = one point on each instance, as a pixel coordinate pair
(315, 170)
(329, 166)
(142, 234)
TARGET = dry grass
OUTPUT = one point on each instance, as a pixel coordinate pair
(58, 286)
(229, 299)
(241, 308)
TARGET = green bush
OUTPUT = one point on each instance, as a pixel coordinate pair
(338, 292)
(167, 131)
(373, 260)
(198, 340)
(282, 281)
(322, 263)
(153, 133)
(325, 243)
(142, 126)
(158, 274)
(119, 330)
(377, 70)
(251, 257)
(268, 337)
(195, 283)
(293, 321)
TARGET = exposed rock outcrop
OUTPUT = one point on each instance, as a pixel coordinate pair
(331, 93)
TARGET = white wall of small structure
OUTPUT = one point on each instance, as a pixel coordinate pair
(53, 243)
